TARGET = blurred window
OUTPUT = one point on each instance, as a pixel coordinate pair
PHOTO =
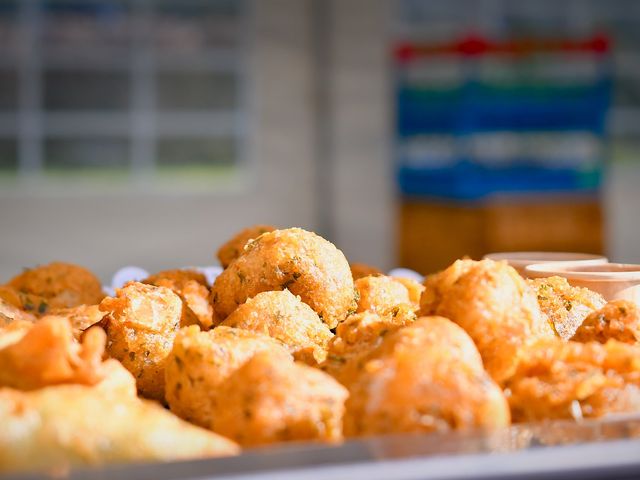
(122, 89)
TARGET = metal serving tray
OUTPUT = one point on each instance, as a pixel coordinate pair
(561, 449)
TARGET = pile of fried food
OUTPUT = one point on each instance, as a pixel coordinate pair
(291, 343)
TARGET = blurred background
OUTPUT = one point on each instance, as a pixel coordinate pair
(408, 132)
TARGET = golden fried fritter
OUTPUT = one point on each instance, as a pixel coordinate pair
(10, 311)
(303, 262)
(361, 333)
(192, 287)
(117, 380)
(48, 354)
(618, 320)
(37, 355)
(200, 361)
(234, 247)
(62, 285)
(494, 304)
(414, 288)
(361, 270)
(425, 377)
(283, 316)
(565, 306)
(28, 303)
(12, 330)
(558, 379)
(56, 428)
(141, 323)
(81, 317)
(269, 400)
(380, 294)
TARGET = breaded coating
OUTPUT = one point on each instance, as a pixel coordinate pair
(495, 306)
(58, 428)
(359, 334)
(565, 306)
(557, 379)
(37, 355)
(48, 354)
(301, 261)
(10, 311)
(81, 317)
(62, 285)
(283, 316)
(116, 380)
(141, 323)
(618, 320)
(235, 247)
(192, 288)
(425, 377)
(361, 270)
(380, 294)
(414, 288)
(200, 361)
(28, 303)
(269, 400)
(12, 330)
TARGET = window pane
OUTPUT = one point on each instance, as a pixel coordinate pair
(8, 156)
(78, 23)
(190, 152)
(75, 90)
(8, 90)
(86, 154)
(193, 26)
(196, 91)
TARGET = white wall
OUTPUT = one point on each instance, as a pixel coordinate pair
(361, 120)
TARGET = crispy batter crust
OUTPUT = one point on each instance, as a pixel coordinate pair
(494, 304)
(269, 400)
(283, 316)
(301, 261)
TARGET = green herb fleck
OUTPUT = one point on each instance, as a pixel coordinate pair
(42, 307)
(337, 358)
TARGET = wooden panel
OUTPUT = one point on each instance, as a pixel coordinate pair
(432, 234)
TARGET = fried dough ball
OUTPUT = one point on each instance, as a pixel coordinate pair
(62, 285)
(380, 294)
(269, 400)
(12, 330)
(48, 354)
(10, 311)
(116, 380)
(556, 380)
(493, 304)
(234, 247)
(192, 287)
(301, 261)
(564, 305)
(281, 315)
(359, 334)
(141, 323)
(81, 317)
(361, 270)
(28, 303)
(618, 320)
(200, 361)
(425, 377)
(57, 428)
(414, 288)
